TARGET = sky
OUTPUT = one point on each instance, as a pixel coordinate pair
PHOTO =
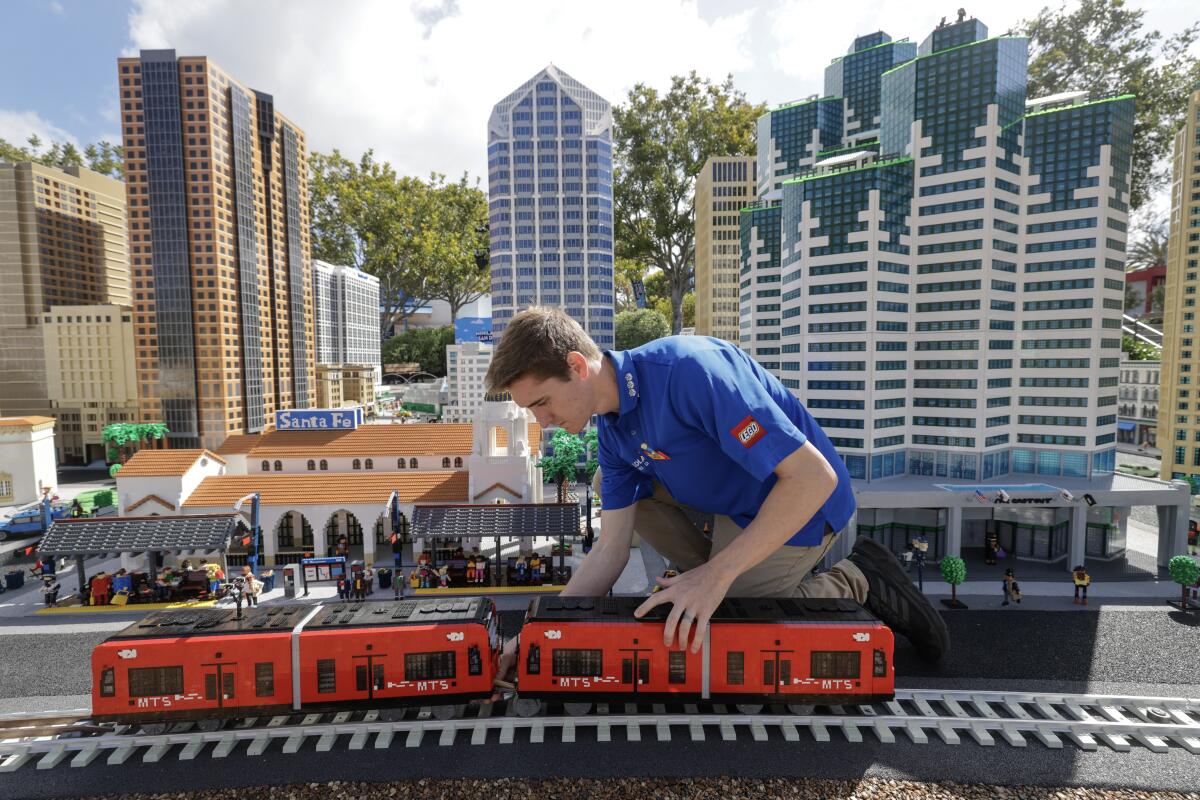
(416, 80)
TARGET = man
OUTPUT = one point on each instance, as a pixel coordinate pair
(689, 421)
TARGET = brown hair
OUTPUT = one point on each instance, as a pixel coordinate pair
(536, 343)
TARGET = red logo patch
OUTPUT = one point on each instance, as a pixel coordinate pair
(748, 431)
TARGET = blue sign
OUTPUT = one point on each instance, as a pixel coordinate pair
(473, 329)
(318, 419)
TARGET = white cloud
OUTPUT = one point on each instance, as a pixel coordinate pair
(57, 8)
(17, 126)
(417, 81)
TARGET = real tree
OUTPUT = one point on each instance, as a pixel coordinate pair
(425, 346)
(103, 157)
(562, 467)
(1101, 47)
(661, 141)
(635, 328)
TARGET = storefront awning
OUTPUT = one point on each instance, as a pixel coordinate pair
(1126, 426)
(134, 535)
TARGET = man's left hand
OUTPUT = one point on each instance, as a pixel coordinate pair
(694, 596)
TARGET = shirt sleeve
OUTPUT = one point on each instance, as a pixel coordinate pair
(722, 396)
(620, 484)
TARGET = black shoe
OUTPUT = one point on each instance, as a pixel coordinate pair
(893, 598)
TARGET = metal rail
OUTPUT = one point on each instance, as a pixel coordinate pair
(1118, 722)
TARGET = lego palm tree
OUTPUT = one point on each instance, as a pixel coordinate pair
(120, 437)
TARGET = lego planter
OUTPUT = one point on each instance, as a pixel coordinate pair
(954, 572)
(1185, 572)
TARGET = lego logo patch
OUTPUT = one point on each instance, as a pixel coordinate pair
(748, 431)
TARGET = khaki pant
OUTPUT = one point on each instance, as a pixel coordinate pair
(661, 521)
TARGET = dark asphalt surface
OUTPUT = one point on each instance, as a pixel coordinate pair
(1150, 650)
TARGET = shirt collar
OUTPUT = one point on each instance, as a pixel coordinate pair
(628, 388)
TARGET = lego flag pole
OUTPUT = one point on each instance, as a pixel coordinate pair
(255, 528)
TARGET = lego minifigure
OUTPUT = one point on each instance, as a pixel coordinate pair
(991, 544)
(1012, 591)
(414, 580)
(470, 571)
(426, 578)
(521, 567)
(1193, 538)
(1082, 581)
(480, 569)
(535, 570)
(443, 577)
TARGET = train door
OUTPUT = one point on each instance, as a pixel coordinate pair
(631, 659)
(776, 670)
(368, 674)
(220, 683)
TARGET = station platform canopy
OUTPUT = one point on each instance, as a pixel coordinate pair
(109, 536)
(557, 520)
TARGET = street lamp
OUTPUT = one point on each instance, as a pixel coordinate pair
(255, 528)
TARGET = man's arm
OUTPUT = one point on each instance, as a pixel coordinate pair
(600, 568)
(805, 482)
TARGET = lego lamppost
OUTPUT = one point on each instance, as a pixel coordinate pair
(255, 529)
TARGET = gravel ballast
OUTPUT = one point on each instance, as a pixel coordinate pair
(666, 789)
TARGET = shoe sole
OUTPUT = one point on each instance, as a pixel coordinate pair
(900, 588)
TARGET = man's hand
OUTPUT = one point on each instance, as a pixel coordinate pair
(506, 670)
(693, 596)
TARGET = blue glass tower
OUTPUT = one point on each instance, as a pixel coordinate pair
(550, 203)
(855, 78)
(758, 326)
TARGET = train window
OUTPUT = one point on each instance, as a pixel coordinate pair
(533, 661)
(880, 661)
(326, 676)
(735, 668)
(264, 679)
(474, 661)
(427, 666)
(835, 663)
(570, 663)
(677, 667)
(108, 682)
(155, 681)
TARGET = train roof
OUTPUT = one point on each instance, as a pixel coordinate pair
(749, 609)
(282, 618)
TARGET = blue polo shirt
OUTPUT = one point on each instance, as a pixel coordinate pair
(703, 419)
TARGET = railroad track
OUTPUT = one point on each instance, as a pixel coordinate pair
(1084, 721)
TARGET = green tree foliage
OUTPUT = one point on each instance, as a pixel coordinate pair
(626, 271)
(954, 572)
(1149, 245)
(561, 466)
(426, 346)
(122, 437)
(661, 142)
(1100, 47)
(1139, 350)
(591, 442)
(1185, 571)
(635, 328)
(422, 239)
(103, 157)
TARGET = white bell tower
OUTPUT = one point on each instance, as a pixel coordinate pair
(503, 472)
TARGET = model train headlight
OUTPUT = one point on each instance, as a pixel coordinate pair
(533, 661)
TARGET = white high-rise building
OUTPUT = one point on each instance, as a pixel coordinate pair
(466, 364)
(346, 301)
(550, 203)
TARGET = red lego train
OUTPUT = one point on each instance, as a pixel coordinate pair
(210, 666)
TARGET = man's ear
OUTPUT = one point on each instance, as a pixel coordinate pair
(578, 364)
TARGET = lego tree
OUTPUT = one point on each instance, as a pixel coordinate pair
(954, 572)
(561, 467)
(591, 443)
(1184, 571)
(121, 437)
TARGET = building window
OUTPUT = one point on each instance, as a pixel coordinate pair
(458, 463)
(266, 466)
(370, 464)
(278, 466)
(326, 676)
(312, 465)
(357, 464)
(400, 463)
(445, 463)
(324, 464)
(412, 463)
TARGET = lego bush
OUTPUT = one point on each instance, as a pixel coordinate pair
(113, 470)
(1184, 571)
(103, 498)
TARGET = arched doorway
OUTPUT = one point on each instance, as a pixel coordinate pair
(293, 538)
(344, 523)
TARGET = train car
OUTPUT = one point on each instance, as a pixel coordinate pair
(213, 665)
(438, 652)
(796, 652)
(193, 665)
